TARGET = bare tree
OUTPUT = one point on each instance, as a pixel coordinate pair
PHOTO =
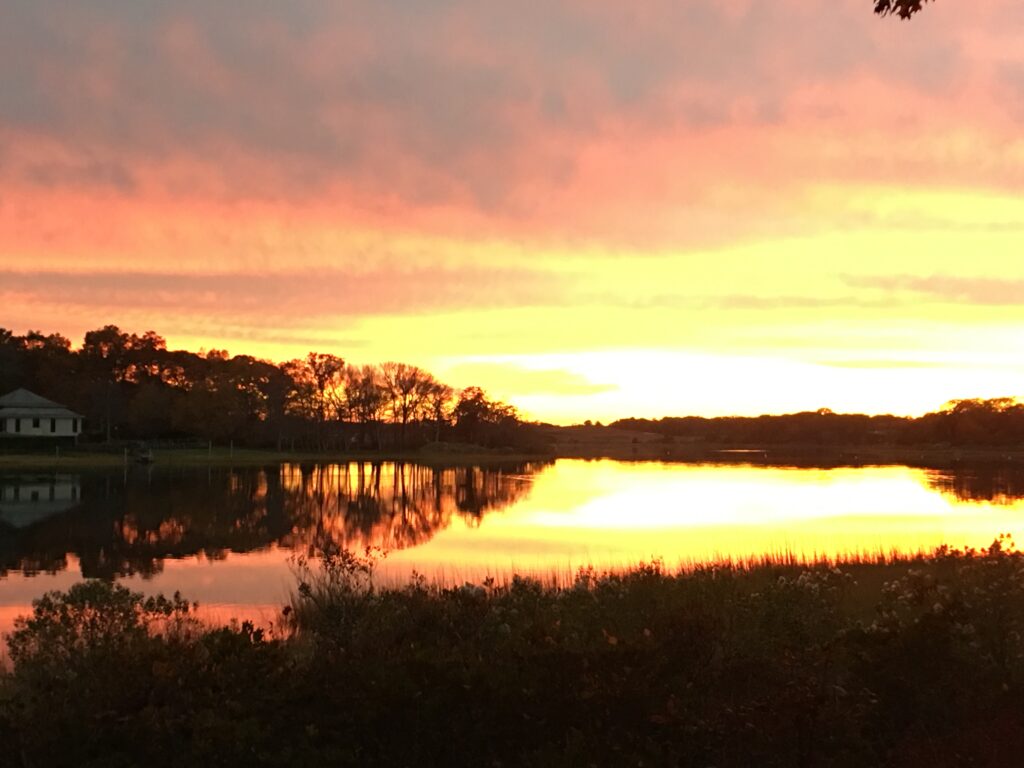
(438, 405)
(316, 394)
(407, 388)
(365, 398)
(327, 374)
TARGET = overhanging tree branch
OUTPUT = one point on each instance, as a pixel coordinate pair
(902, 8)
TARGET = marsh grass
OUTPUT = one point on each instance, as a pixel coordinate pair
(873, 660)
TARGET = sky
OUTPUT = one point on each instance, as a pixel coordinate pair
(592, 209)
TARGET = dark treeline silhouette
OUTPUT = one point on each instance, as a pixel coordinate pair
(118, 525)
(961, 423)
(132, 387)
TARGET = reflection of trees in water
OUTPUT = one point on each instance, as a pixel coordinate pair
(392, 506)
(131, 524)
(994, 484)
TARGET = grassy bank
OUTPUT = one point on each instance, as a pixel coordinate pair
(903, 663)
(241, 457)
(566, 442)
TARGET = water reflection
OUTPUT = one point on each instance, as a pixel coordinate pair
(992, 484)
(612, 514)
(28, 500)
(391, 506)
(119, 525)
(224, 537)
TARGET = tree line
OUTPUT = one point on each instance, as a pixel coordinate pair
(131, 386)
(967, 423)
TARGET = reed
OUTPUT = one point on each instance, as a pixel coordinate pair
(871, 660)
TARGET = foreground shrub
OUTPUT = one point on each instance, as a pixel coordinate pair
(104, 676)
(914, 662)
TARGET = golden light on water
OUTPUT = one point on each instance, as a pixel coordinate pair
(462, 525)
(611, 514)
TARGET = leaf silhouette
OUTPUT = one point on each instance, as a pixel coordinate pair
(902, 8)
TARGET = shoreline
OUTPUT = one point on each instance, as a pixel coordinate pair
(248, 457)
(797, 455)
(822, 457)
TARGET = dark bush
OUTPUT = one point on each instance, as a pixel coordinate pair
(771, 665)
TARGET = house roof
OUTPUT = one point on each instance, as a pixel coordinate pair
(46, 413)
(21, 402)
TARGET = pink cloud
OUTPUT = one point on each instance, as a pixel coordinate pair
(666, 124)
(299, 293)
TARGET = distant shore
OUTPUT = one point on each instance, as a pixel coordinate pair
(248, 457)
(645, 449)
(801, 456)
(586, 442)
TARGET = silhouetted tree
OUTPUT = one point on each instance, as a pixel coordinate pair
(327, 373)
(439, 404)
(11, 361)
(365, 399)
(105, 352)
(407, 389)
(479, 419)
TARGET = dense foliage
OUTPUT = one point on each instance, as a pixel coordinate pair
(132, 386)
(910, 663)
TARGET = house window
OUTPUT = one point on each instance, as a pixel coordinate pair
(53, 425)
(74, 426)
(35, 423)
(17, 425)
(3, 425)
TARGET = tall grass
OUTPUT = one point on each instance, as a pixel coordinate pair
(871, 661)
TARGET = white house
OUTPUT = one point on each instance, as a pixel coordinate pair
(24, 414)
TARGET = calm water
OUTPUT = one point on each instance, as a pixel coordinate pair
(225, 537)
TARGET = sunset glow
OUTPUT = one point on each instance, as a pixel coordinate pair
(591, 210)
(606, 514)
